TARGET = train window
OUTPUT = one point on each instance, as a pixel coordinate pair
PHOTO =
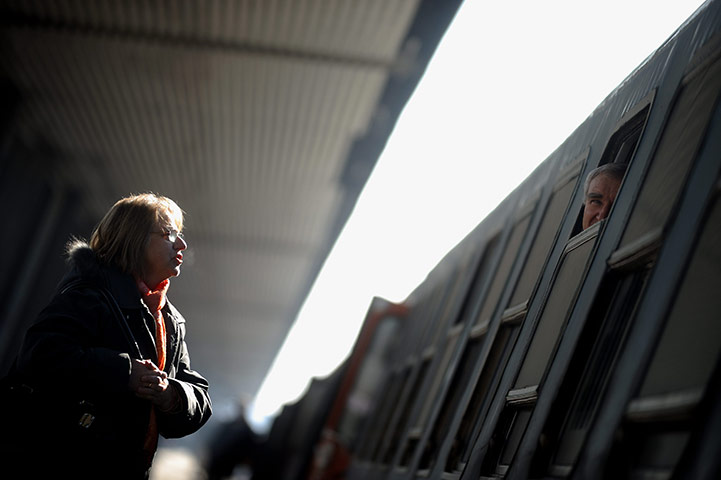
(427, 325)
(511, 427)
(480, 277)
(658, 422)
(621, 147)
(560, 300)
(504, 268)
(543, 241)
(420, 316)
(693, 322)
(622, 144)
(454, 296)
(676, 150)
(479, 402)
(435, 325)
(371, 445)
(404, 409)
(429, 397)
(518, 426)
(566, 284)
(461, 377)
(603, 338)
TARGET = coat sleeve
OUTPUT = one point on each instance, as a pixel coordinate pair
(195, 401)
(60, 348)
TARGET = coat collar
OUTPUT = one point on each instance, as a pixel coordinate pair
(123, 288)
(84, 264)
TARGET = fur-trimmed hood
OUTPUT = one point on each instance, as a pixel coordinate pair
(82, 263)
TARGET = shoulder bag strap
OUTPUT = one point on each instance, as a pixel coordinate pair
(114, 308)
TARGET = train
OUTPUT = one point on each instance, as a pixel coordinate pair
(540, 349)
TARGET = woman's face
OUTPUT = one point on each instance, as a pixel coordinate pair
(164, 254)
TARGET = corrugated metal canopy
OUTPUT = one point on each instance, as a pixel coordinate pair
(262, 119)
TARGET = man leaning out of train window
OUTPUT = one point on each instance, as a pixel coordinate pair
(599, 192)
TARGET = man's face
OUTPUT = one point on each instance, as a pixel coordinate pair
(601, 194)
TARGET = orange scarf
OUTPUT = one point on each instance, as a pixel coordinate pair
(155, 301)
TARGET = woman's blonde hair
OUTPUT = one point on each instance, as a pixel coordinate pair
(123, 234)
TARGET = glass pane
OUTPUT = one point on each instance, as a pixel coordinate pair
(675, 153)
(435, 321)
(430, 396)
(382, 414)
(479, 278)
(543, 242)
(492, 369)
(499, 280)
(461, 379)
(405, 410)
(559, 302)
(516, 434)
(619, 307)
(691, 342)
(421, 314)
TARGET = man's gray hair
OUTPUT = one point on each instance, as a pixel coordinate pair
(613, 170)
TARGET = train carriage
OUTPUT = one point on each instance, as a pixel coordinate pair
(539, 349)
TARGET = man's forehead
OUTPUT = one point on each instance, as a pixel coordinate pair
(604, 180)
(602, 184)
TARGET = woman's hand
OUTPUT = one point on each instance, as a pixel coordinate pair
(150, 383)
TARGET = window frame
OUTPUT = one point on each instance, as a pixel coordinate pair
(688, 213)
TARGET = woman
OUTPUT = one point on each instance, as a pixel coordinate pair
(109, 351)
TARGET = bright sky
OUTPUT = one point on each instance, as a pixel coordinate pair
(509, 82)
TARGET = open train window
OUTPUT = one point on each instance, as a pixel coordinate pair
(673, 158)
(622, 144)
(658, 422)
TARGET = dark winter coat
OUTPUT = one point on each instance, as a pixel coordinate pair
(78, 351)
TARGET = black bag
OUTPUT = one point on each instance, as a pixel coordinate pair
(33, 413)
